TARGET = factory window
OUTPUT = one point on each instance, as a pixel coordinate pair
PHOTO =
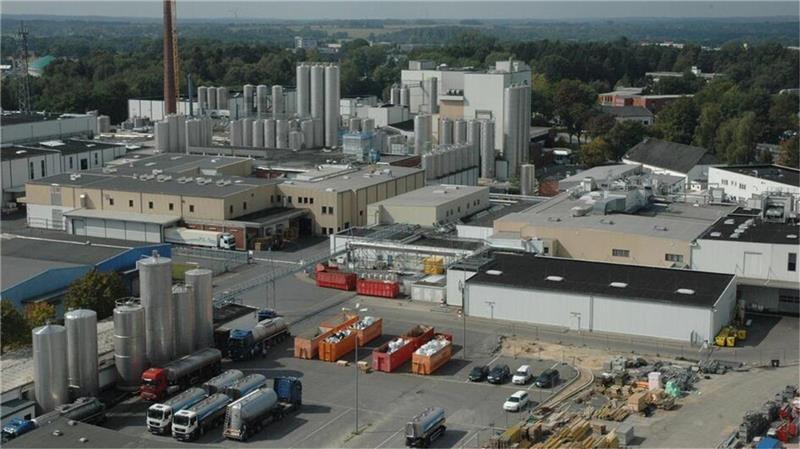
(324, 209)
(742, 186)
(620, 252)
(230, 208)
(244, 205)
(330, 230)
(724, 182)
(70, 163)
(30, 171)
(149, 204)
(96, 160)
(43, 170)
(347, 225)
(361, 213)
(171, 206)
(288, 199)
(324, 231)
(459, 209)
(191, 208)
(272, 198)
(330, 210)
(788, 296)
(673, 258)
(111, 201)
(311, 200)
(130, 203)
(792, 265)
(278, 198)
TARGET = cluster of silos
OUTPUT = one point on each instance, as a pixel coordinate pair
(282, 133)
(516, 126)
(212, 99)
(199, 132)
(130, 343)
(170, 134)
(423, 133)
(527, 180)
(317, 97)
(449, 159)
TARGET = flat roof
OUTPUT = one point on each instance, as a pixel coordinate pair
(601, 174)
(757, 231)
(82, 435)
(627, 111)
(431, 196)
(11, 152)
(18, 269)
(77, 253)
(679, 221)
(171, 163)
(486, 217)
(70, 146)
(124, 216)
(356, 179)
(438, 242)
(578, 276)
(775, 173)
(17, 118)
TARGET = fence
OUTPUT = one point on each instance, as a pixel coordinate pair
(217, 260)
(46, 223)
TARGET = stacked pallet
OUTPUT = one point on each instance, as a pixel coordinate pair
(613, 411)
(578, 434)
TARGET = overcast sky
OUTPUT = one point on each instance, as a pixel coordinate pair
(380, 9)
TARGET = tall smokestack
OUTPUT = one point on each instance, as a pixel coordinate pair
(169, 59)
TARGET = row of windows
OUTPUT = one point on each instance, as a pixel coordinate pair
(327, 210)
(450, 212)
(725, 182)
(329, 231)
(677, 258)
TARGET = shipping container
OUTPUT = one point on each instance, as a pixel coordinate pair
(380, 288)
(428, 364)
(336, 279)
(307, 346)
(387, 358)
(370, 332)
(333, 351)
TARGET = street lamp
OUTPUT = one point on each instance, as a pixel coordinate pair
(357, 308)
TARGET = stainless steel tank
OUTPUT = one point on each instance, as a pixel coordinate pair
(487, 149)
(185, 322)
(222, 381)
(200, 280)
(222, 98)
(202, 103)
(262, 94)
(269, 133)
(278, 107)
(247, 132)
(81, 328)
(355, 124)
(302, 96)
(50, 366)
(248, 92)
(155, 289)
(460, 131)
(332, 90)
(317, 93)
(130, 347)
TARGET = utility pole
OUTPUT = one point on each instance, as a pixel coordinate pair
(24, 90)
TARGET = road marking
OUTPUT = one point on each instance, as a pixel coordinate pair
(494, 359)
(73, 242)
(325, 425)
(388, 439)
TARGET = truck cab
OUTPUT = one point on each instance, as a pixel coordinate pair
(185, 425)
(227, 241)
(240, 344)
(16, 427)
(159, 418)
(154, 384)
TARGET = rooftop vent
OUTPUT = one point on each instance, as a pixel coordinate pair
(729, 221)
(330, 189)
(791, 236)
(554, 278)
(735, 235)
(716, 234)
(21, 151)
(149, 164)
(660, 228)
(494, 272)
(684, 291)
(618, 284)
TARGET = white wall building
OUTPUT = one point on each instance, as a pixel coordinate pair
(18, 127)
(741, 182)
(674, 159)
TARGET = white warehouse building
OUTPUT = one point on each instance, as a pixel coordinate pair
(664, 303)
(741, 182)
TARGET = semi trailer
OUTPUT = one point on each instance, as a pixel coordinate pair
(189, 424)
(425, 427)
(248, 415)
(244, 344)
(222, 381)
(180, 374)
(245, 385)
(159, 416)
(197, 237)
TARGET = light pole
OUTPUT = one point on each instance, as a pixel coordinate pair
(578, 316)
(462, 287)
(491, 307)
(357, 308)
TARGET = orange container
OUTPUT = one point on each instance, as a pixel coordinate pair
(307, 346)
(428, 364)
(370, 333)
(331, 352)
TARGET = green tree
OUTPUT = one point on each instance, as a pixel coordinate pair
(706, 132)
(573, 101)
(623, 136)
(737, 138)
(596, 152)
(600, 124)
(39, 313)
(677, 121)
(14, 331)
(96, 291)
(789, 155)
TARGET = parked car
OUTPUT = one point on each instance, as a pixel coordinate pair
(548, 378)
(499, 374)
(523, 375)
(516, 402)
(479, 373)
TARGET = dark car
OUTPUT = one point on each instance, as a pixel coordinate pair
(548, 379)
(479, 373)
(499, 374)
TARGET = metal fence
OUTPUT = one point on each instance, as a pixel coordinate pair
(217, 260)
(46, 223)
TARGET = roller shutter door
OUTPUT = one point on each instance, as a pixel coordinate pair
(136, 231)
(153, 233)
(115, 229)
(79, 227)
(95, 227)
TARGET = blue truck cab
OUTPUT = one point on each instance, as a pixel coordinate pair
(289, 389)
(16, 427)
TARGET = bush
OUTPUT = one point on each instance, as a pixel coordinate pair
(96, 291)
(14, 331)
(39, 313)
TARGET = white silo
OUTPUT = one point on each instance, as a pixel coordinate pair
(527, 181)
(50, 384)
(211, 99)
(331, 106)
(355, 124)
(296, 140)
(460, 131)
(200, 281)
(367, 125)
(317, 91)
(248, 94)
(511, 112)
(302, 97)
(474, 133)
(172, 120)
(155, 289)
(307, 127)
(282, 133)
(81, 326)
(277, 101)
(130, 356)
(427, 165)
(430, 95)
(422, 133)
(247, 132)
(185, 321)
(236, 131)
(319, 131)
(524, 138)
(181, 123)
(445, 131)
(262, 100)
(394, 95)
(405, 96)
(441, 164)
(487, 149)
(258, 133)
(162, 136)
(222, 98)
(202, 100)
(269, 133)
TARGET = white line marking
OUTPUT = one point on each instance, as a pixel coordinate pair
(325, 425)
(494, 359)
(388, 439)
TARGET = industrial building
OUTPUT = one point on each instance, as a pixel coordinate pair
(674, 159)
(430, 206)
(673, 304)
(36, 126)
(29, 161)
(629, 114)
(741, 182)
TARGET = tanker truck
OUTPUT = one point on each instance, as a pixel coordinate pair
(244, 344)
(222, 381)
(247, 416)
(180, 374)
(159, 416)
(189, 424)
(245, 385)
(425, 427)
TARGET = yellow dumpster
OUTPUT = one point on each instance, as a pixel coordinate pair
(721, 337)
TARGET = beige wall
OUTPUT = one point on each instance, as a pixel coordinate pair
(428, 215)
(451, 109)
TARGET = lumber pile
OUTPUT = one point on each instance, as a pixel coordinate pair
(579, 433)
(613, 410)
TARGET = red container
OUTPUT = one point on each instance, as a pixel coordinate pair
(336, 279)
(382, 360)
(383, 289)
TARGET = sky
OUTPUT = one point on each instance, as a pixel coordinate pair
(381, 9)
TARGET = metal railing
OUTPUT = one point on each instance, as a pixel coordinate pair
(45, 223)
(217, 260)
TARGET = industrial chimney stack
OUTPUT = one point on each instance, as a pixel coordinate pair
(170, 94)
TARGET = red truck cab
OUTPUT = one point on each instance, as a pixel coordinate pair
(154, 384)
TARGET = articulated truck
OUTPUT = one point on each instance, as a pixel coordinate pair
(425, 427)
(244, 344)
(248, 415)
(197, 237)
(158, 383)
(193, 422)
(222, 381)
(245, 385)
(159, 416)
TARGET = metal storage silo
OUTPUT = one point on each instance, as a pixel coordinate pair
(394, 95)
(222, 98)
(200, 280)
(317, 91)
(307, 127)
(248, 94)
(355, 124)
(460, 131)
(172, 121)
(319, 131)
(81, 326)
(277, 101)
(427, 165)
(487, 149)
(258, 133)
(296, 140)
(162, 136)
(422, 133)
(185, 321)
(237, 127)
(445, 131)
(331, 106)
(511, 108)
(430, 95)
(451, 160)
(247, 132)
(181, 122)
(405, 96)
(211, 99)
(103, 123)
(302, 97)
(262, 94)
(130, 346)
(155, 289)
(50, 385)
(281, 133)
(269, 133)
(527, 183)
(202, 100)
(367, 125)
(474, 133)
